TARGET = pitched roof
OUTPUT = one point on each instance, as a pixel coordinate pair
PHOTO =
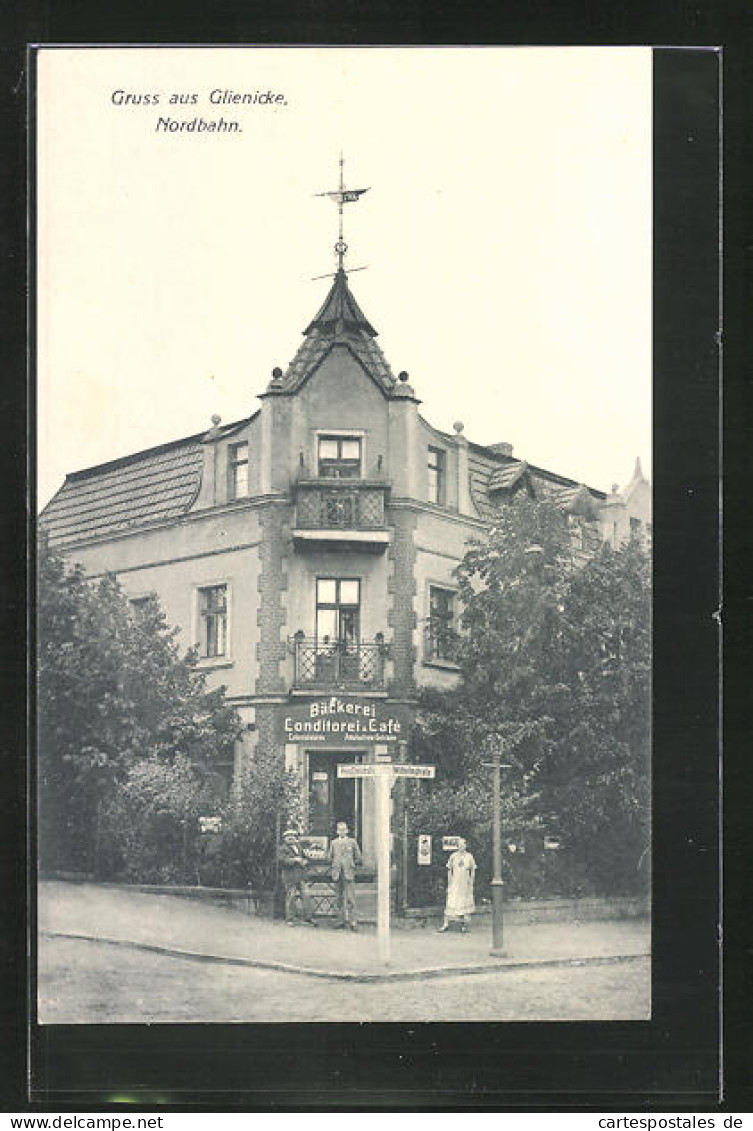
(151, 486)
(577, 500)
(506, 478)
(341, 306)
(341, 321)
(493, 476)
(154, 485)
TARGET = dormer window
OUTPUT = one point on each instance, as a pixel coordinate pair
(339, 457)
(237, 471)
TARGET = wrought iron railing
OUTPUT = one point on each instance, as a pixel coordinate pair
(339, 664)
(338, 504)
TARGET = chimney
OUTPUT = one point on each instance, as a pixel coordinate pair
(502, 449)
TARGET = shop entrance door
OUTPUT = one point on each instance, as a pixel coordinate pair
(333, 799)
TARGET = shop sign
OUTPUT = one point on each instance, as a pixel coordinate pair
(423, 853)
(450, 843)
(339, 719)
(315, 847)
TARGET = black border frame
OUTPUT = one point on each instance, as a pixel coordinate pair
(673, 1059)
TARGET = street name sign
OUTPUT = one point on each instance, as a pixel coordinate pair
(387, 769)
(357, 770)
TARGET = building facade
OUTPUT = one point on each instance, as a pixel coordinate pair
(309, 549)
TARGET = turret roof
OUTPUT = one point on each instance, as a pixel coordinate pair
(339, 321)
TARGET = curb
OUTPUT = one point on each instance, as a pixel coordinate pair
(350, 975)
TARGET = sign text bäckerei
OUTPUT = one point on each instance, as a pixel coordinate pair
(336, 719)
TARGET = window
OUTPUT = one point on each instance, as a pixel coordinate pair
(139, 606)
(221, 773)
(436, 476)
(213, 621)
(635, 529)
(441, 637)
(339, 457)
(237, 471)
(338, 607)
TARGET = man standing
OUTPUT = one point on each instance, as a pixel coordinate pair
(345, 857)
(293, 864)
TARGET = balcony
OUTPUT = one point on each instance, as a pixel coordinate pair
(338, 665)
(341, 511)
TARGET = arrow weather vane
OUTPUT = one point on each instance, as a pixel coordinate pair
(342, 196)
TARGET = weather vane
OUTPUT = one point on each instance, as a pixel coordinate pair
(342, 196)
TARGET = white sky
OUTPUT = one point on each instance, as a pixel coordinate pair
(507, 233)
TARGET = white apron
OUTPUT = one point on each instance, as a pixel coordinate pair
(461, 868)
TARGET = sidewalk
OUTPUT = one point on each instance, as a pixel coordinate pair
(205, 932)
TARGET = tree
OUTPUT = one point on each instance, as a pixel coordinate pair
(555, 663)
(113, 691)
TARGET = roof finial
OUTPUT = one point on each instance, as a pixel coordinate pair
(340, 247)
(342, 196)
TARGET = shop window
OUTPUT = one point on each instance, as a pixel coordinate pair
(237, 471)
(441, 633)
(339, 457)
(213, 621)
(436, 476)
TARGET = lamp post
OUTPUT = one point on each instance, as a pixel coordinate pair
(497, 882)
(534, 558)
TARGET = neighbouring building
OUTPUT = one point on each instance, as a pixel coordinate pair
(309, 551)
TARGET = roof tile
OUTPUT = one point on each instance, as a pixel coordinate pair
(152, 486)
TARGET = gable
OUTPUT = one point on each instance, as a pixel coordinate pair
(340, 394)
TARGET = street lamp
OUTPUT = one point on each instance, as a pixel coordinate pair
(534, 558)
(497, 882)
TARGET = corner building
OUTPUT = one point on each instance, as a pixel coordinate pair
(309, 551)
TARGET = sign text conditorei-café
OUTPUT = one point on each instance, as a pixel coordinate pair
(337, 720)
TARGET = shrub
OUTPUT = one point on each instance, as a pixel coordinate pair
(149, 829)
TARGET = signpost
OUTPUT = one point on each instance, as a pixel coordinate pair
(384, 774)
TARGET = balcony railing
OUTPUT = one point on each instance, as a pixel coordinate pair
(337, 504)
(339, 664)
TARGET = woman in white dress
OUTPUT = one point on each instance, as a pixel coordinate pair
(461, 870)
